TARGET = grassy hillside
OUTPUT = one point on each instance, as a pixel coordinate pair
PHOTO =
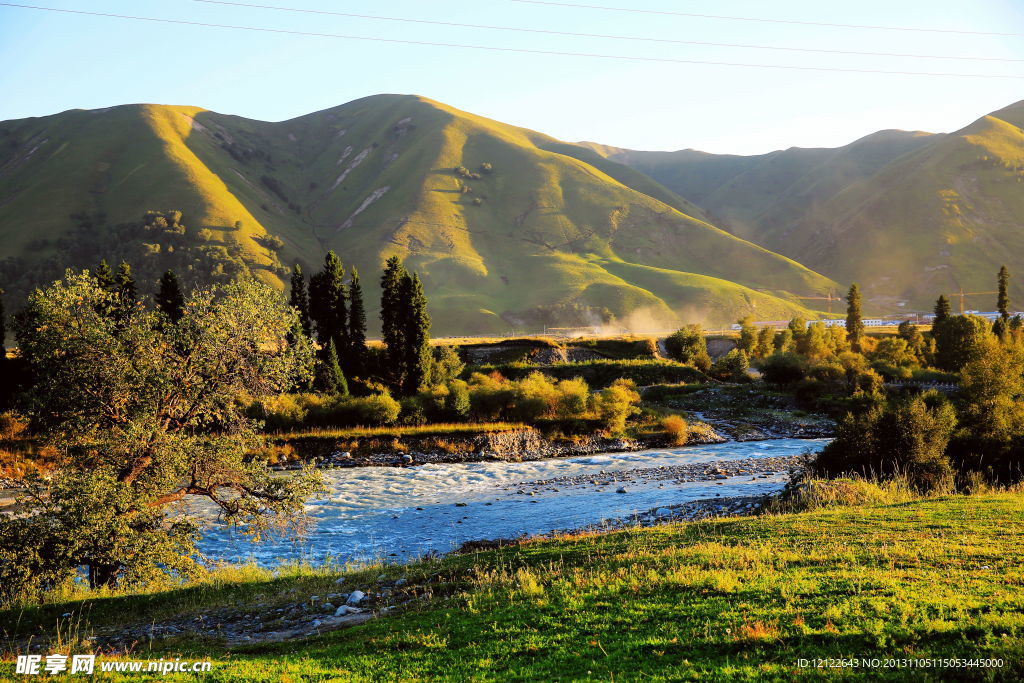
(734, 599)
(509, 227)
(908, 215)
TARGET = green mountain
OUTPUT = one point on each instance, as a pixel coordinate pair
(508, 227)
(909, 215)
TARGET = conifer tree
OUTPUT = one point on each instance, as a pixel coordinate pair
(1003, 300)
(327, 305)
(125, 283)
(942, 309)
(104, 276)
(415, 333)
(169, 299)
(854, 321)
(124, 289)
(328, 375)
(356, 326)
(390, 315)
(299, 300)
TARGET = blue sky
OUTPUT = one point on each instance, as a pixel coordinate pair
(52, 62)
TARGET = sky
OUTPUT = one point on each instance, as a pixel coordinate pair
(51, 62)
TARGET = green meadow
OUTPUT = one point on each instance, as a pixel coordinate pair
(865, 575)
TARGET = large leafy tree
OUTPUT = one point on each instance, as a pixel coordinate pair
(146, 415)
(959, 339)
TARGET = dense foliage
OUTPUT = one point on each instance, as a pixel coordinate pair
(145, 414)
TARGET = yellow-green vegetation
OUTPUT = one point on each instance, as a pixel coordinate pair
(731, 599)
(503, 224)
(906, 214)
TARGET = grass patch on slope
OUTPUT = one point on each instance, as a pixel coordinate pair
(740, 598)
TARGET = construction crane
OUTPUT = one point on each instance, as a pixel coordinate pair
(830, 298)
(962, 294)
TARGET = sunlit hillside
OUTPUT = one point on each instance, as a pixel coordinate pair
(908, 215)
(509, 228)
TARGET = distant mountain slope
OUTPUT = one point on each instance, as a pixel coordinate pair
(509, 227)
(908, 215)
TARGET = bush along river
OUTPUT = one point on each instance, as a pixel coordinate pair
(398, 514)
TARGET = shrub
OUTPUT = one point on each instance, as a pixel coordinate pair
(616, 404)
(377, 409)
(285, 411)
(807, 494)
(783, 368)
(602, 373)
(12, 426)
(905, 437)
(688, 345)
(413, 411)
(676, 430)
(732, 367)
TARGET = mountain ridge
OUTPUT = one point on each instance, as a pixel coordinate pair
(907, 214)
(508, 227)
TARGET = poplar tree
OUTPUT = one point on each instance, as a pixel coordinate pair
(356, 325)
(327, 303)
(169, 299)
(416, 334)
(1003, 300)
(854, 321)
(942, 309)
(299, 300)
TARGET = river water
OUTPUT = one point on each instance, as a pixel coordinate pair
(397, 514)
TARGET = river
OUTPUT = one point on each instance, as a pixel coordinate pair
(397, 514)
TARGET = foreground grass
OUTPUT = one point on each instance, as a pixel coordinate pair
(729, 599)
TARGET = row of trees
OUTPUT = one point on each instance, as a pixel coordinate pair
(938, 442)
(332, 309)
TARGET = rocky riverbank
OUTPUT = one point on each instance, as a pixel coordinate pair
(519, 445)
(619, 481)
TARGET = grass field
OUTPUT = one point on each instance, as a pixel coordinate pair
(734, 599)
